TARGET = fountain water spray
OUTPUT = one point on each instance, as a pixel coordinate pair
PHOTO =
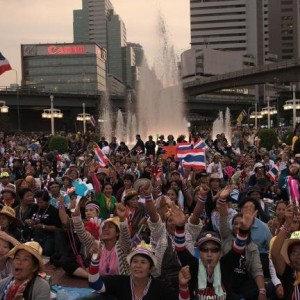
(221, 125)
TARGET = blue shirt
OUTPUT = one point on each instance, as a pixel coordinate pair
(261, 235)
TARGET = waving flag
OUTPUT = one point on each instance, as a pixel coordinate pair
(4, 64)
(273, 173)
(93, 121)
(102, 158)
(191, 157)
(199, 144)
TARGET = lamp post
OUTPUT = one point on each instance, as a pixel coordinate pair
(293, 104)
(18, 100)
(51, 114)
(83, 117)
(256, 115)
(269, 110)
(3, 108)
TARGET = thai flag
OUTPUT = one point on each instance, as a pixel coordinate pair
(4, 64)
(273, 173)
(93, 121)
(102, 158)
(181, 168)
(199, 144)
(190, 156)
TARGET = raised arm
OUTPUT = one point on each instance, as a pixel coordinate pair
(146, 192)
(195, 218)
(124, 239)
(283, 233)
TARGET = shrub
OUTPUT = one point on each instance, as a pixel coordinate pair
(268, 138)
(288, 137)
(59, 143)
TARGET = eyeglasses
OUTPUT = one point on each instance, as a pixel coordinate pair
(212, 250)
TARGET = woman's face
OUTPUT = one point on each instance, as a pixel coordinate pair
(91, 213)
(215, 184)
(295, 257)
(236, 225)
(109, 232)
(280, 210)
(127, 183)
(28, 198)
(171, 225)
(140, 267)
(41, 203)
(4, 248)
(4, 222)
(210, 253)
(7, 196)
(23, 266)
(107, 190)
(133, 202)
(172, 195)
(295, 225)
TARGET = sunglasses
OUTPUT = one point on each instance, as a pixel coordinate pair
(212, 250)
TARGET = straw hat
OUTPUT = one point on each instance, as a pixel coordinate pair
(10, 213)
(115, 220)
(34, 248)
(9, 188)
(144, 249)
(130, 194)
(294, 239)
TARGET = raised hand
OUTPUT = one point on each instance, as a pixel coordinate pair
(146, 189)
(178, 215)
(247, 219)
(204, 189)
(121, 211)
(184, 275)
(224, 194)
(19, 294)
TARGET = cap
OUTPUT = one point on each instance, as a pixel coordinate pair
(208, 236)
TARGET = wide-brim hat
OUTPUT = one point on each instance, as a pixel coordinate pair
(130, 194)
(9, 188)
(10, 213)
(142, 249)
(208, 236)
(115, 220)
(294, 239)
(4, 175)
(34, 248)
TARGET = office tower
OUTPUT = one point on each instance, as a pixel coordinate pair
(284, 25)
(90, 22)
(230, 25)
(116, 32)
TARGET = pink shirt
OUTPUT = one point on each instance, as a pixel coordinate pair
(109, 262)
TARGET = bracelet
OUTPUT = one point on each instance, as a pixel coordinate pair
(202, 199)
(148, 198)
(60, 206)
(262, 291)
(222, 201)
(284, 228)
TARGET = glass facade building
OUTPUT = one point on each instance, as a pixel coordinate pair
(65, 68)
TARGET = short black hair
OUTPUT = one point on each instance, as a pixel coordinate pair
(44, 195)
(23, 191)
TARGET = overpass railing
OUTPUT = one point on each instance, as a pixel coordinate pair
(249, 71)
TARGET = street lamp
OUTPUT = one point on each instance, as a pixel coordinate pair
(293, 104)
(51, 113)
(3, 108)
(269, 111)
(83, 117)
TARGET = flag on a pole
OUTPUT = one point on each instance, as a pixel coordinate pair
(4, 64)
(102, 158)
(93, 121)
(273, 173)
(241, 116)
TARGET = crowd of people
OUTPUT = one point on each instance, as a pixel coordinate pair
(137, 224)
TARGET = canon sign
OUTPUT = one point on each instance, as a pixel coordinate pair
(58, 50)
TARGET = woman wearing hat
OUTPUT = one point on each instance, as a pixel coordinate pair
(285, 254)
(8, 195)
(139, 285)
(135, 211)
(9, 223)
(24, 283)
(115, 242)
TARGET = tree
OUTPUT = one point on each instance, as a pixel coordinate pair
(59, 143)
(268, 138)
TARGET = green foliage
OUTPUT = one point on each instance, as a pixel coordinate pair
(288, 137)
(268, 138)
(59, 143)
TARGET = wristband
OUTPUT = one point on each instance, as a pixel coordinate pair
(60, 206)
(262, 291)
(284, 228)
(202, 199)
(222, 201)
(148, 198)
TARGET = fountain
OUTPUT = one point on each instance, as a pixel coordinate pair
(160, 95)
(120, 134)
(106, 126)
(221, 125)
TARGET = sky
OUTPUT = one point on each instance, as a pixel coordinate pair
(51, 21)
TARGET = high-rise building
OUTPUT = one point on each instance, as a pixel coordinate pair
(116, 41)
(90, 22)
(230, 25)
(284, 24)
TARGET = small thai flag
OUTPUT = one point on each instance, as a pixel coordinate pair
(273, 173)
(93, 121)
(4, 64)
(102, 158)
